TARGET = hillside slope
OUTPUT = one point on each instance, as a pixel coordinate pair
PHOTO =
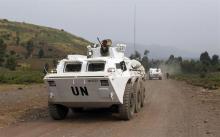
(54, 43)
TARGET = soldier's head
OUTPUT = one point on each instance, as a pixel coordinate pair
(104, 43)
(105, 47)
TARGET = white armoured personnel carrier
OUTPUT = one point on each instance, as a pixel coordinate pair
(155, 73)
(105, 78)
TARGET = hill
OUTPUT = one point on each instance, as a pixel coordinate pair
(18, 36)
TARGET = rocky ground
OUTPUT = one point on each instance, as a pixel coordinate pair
(173, 109)
(22, 103)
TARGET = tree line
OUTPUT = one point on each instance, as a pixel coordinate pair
(203, 65)
(144, 60)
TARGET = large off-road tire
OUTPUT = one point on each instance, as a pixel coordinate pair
(142, 88)
(138, 95)
(126, 110)
(143, 96)
(57, 112)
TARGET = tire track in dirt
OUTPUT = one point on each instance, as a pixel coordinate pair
(172, 109)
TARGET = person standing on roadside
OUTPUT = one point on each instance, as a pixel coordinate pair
(167, 75)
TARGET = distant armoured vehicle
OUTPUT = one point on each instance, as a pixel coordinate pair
(105, 78)
(155, 73)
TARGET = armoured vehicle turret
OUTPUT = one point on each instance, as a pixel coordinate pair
(105, 78)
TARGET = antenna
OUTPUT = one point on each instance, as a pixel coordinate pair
(135, 27)
(45, 70)
(99, 41)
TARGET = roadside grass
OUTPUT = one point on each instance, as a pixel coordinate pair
(20, 77)
(210, 81)
(28, 71)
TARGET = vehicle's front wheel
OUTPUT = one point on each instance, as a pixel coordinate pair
(57, 112)
(126, 110)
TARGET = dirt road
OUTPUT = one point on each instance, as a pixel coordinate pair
(173, 109)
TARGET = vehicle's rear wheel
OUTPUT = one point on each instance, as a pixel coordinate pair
(138, 101)
(142, 93)
(57, 112)
(138, 94)
(126, 110)
(143, 97)
(160, 78)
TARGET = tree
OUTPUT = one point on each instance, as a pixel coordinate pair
(132, 56)
(205, 62)
(179, 59)
(29, 48)
(205, 58)
(41, 53)
(146, 52)
(171, 59)
(11, 63)
(136, 56)
(54, 63)
(145, 60)
(2, 51)
(190, 66)
(215, 59)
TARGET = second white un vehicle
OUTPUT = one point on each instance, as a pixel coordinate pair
(155, 73)
(105, 78)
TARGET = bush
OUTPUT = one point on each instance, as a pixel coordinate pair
(5, 20)
(2, 51)
(11, 63)
(41, 53)
(202, 75)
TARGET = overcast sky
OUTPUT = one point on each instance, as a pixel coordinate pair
(188, 25)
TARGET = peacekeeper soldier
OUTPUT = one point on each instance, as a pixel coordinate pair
(105, 47)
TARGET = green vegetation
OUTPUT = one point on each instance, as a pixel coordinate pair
(211, 81)
(29, 48)
(11, 63)
(41, 53)
(26, 40)
(25, 49)
(20, 77)
(2, 51)
(204, 72)
(144, 60)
